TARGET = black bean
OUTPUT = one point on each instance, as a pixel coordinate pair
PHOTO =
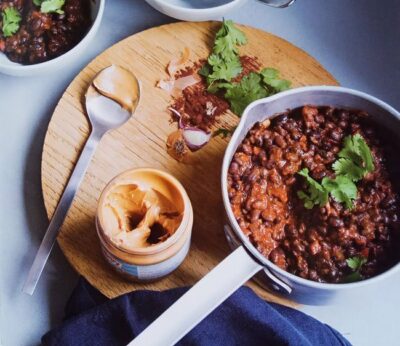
(314, 244)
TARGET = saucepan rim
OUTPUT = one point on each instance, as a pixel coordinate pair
(230, 150)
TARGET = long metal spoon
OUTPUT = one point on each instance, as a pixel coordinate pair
(104, 115)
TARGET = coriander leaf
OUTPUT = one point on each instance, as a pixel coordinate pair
(356, 262)
(11, 20)
(226, 47)
(214, 60)
(315, 195)
(356, 149)
(366, 154)
(205, 70)
(215, 87)
(308, 199)
(272, 81)
(52, 6)
(279, 85)
(347, 168)
(225, 70)
(356, 158)
(340, 197)
(241, 94)
(228, 29)
(353, 277)
(350, 151)
(342, 189)
(270, 73)
(223, 132)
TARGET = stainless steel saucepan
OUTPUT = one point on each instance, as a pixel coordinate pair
(245, 261)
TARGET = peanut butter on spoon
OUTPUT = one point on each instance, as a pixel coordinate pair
(119, 85)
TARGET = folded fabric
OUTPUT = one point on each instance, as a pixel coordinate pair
(243, 319)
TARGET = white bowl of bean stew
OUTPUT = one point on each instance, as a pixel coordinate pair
(43, 40)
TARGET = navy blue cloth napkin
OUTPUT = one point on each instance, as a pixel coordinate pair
(243, 319)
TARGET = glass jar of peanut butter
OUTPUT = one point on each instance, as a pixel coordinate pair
(144, 222)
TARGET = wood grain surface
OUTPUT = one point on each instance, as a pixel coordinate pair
(141, 143)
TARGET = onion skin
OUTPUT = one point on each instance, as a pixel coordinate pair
(175, 86)
(174, 64)
(181, 125)
(176, 146)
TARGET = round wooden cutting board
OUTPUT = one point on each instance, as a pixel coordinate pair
(141, 143)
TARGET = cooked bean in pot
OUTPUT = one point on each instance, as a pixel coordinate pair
(327, 242)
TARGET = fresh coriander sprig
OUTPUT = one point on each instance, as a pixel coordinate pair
(50, 6)
(355, 162)
(224, 64)
(11, 19)
(355, 263)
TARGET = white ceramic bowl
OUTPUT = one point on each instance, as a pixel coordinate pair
(195, 10)
(15, 69)
(202, 10)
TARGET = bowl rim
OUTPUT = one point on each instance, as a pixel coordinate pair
(49, 63)
(253, 252)
(187, 10)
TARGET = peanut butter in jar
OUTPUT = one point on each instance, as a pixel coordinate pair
(144, 222)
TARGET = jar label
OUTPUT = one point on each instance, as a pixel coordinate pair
(151, 271)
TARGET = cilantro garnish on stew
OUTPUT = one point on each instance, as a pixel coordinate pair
(50, 6)
(355, 263)
(316, 194)
(355, 162)
(355, 158)
(11, 19)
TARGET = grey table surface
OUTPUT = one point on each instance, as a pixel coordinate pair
(357, 41)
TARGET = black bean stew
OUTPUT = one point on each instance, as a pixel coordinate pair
(44, 36)
(315, 243)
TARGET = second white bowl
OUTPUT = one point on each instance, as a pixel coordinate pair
(15, 69)
(195, 10)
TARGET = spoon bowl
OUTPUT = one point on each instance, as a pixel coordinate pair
(99, 108)
(103, 107)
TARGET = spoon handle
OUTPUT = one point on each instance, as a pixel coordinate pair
(60, 213)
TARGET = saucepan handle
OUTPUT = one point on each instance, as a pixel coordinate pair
(200, 300)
